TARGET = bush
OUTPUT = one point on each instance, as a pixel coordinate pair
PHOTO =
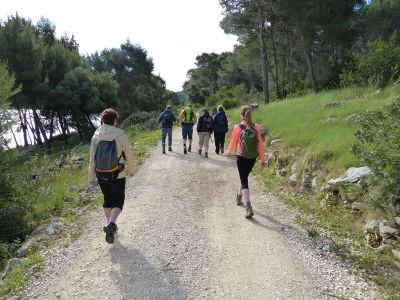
(229, 98)
(142, 120)
(378, 145)
(380, 66)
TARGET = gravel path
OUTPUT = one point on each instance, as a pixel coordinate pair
(181, 236)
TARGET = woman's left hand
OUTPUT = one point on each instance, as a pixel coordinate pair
(263, 164)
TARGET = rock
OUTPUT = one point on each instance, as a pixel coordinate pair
(396, 254)
(352, 175)
(314, 183)
(293, 180)
(372, 235)
(28, 247)
(306, 182)
(283, 162)
(397, 220)
(270, 159)
(283, 172)
(357, 207)
(276, 142)
(12, 263)
(253, 105)
(68, 199)
(387, 232)
(60, 163)
(330, 199)
(330, 188)
(39, 230)
(77, 158)
(34, 175)
(334, 104)
(331, 120)
(293, 169)
(354, 118)
(378, 91)
(54, 228)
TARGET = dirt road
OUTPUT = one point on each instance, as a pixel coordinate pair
(181, 236)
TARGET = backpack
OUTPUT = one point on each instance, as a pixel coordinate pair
(188, 115)
(106, 160)
(207, 123)
(220, 120)
(249, 142)
(167, 119)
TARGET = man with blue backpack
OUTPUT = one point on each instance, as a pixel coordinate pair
(166, 120)
(111, 160)
(220, 129)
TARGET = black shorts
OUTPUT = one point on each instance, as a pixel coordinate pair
(114, 192)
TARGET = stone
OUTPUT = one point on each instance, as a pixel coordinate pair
(293, 169)
(39, 230)
(283, 172)
(387, 232)
(314, 183)
(378, 91)
(352, 175)
(77, 158)
(397, 220)
(270, 159)
(60, 163)
(68, 199)
(357, 207)
(331, 120)
(330, 188)
(253, 105)
(334, 104)
(12, 263)
(34, 175)
(372, 235)
(28, 247)
(283, 162)
(306, 182)
(396, 254)
(276, 142)
(293, 180)
(54, 228)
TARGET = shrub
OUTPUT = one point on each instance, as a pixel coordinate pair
(380, 66)
(229, 97)
(142, 120)
(378, 145)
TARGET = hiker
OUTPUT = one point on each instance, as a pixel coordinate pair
(220, 129)
(205, 126)
(246, 138)
(111, 159)
(187, 117)
(166, 120)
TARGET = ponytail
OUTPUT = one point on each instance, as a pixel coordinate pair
(245, 112)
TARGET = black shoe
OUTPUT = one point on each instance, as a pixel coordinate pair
(169, 149)
(222, 150)
(163, 149)
(109, 230)
(190, 148)
(206, 154)
(184, 150)
(216, 151)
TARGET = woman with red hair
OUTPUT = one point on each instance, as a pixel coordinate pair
(111, 160)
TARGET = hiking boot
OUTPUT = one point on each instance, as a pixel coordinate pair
(109, 230)
(199, 152)
(239, 199)
(217, 151)
(170, 149)
(114, 226)
(184, 150)
(222, 150)
(249, 212)
(163, 149)
(190, 148)
(206, 154)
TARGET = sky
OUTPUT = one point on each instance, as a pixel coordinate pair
(173, 32)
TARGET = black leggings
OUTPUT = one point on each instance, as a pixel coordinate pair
(245, 166)
(219, 140)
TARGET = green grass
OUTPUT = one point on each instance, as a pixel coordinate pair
(302, 122)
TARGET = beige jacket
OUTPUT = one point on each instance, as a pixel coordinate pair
(108, 133)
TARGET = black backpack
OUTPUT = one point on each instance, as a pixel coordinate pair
(207, 123)
(220, 120)
(167, 119)
(106, 160)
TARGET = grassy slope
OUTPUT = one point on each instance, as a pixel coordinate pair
(302, 122)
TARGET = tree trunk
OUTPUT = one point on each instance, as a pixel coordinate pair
(263, 52)
(52, 126)
(311, 72)
(15, 139)
(23, 126)
(39, 125)
(62, 126)
(276, 62)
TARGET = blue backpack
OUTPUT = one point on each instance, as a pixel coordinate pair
(167, 120)
(106, 160)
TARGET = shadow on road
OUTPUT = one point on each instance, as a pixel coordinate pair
(138, 279)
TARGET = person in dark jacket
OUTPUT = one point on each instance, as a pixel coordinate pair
(204, 129)
(220, 129)
(166, 120)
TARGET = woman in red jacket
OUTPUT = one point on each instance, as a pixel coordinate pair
(246, 139)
